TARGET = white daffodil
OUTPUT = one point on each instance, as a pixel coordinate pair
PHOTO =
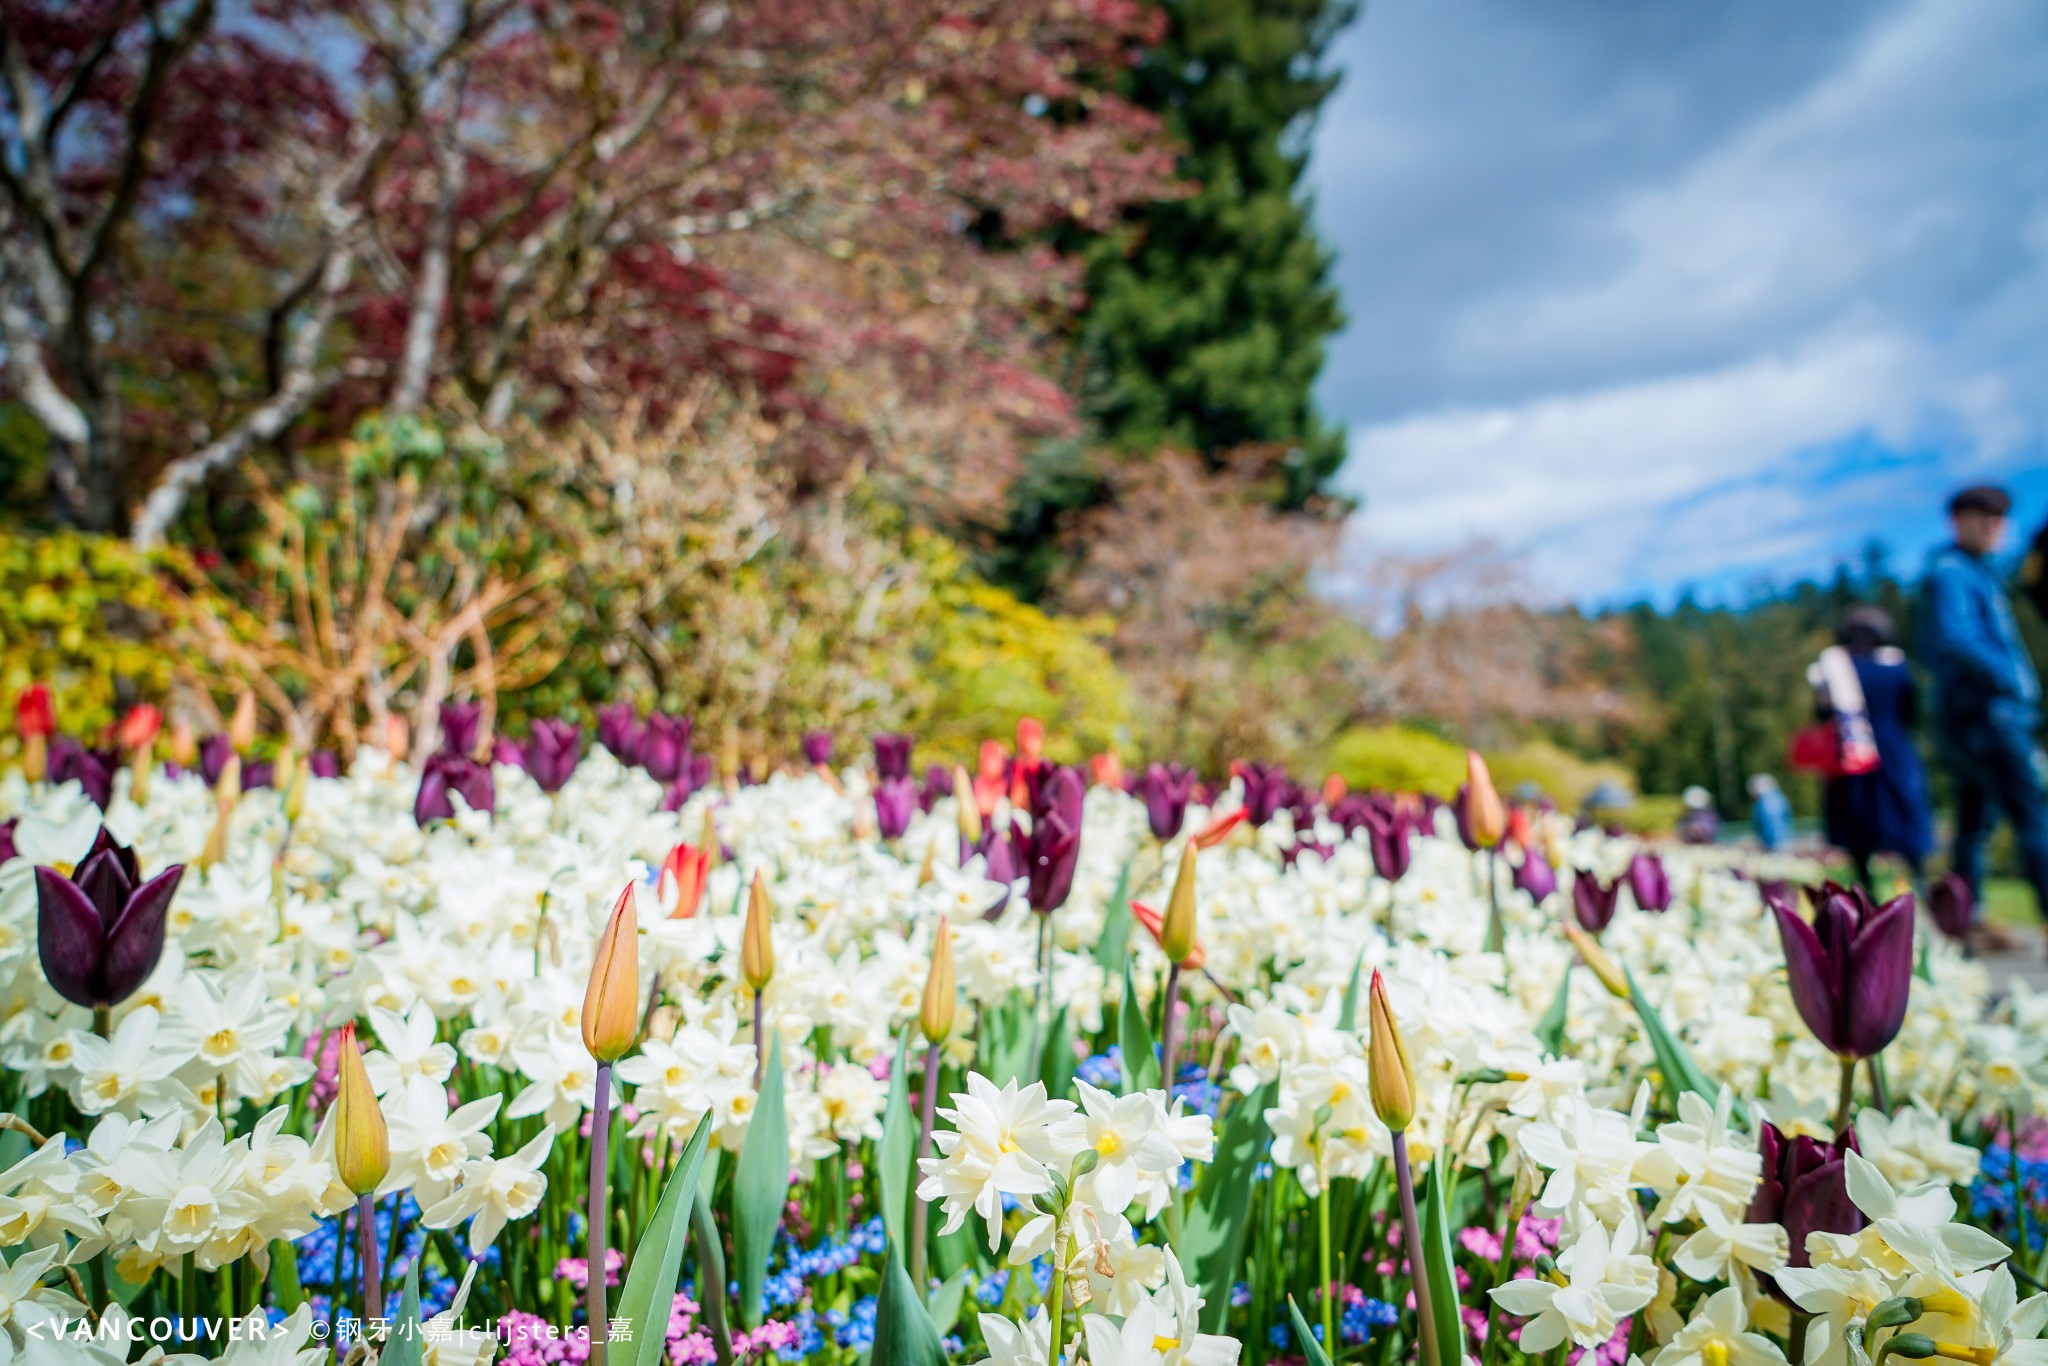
(406, 1049)
(1697, 1162)
(1721, 1244)
(1001, 1143)
(1589, 1156)
(1014, 1344)
(1128, 1137)
(1719, 1336)
(1605, 1279)
(493, 1191)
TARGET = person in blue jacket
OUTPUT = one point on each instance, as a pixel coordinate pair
(1988, 697)
(1883, 811)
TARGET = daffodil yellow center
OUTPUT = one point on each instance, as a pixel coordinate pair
(1714, 1353)
(1164, 1345)
(1109, 1145)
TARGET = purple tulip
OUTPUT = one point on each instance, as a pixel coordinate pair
(1387, 835)
(1288, 857)
(1649, 883)
(620, 731)
(7, 850)
(214, 753)
(551, 753)
(91, 770)
(1592, 902)
(1001, 855)
(1267, 789)
(1851, 970)
(258, 773)
(938, 782)
(1053, 846)
(817, 747)
(696, 775)
(1166, 790)
(324, 763)
(447, 773)
(895, 801)
(506, 750)
(1462, 813)
(1952, 904)
(461, 723)
(665, 746)
(1535, 876)
(892, 755)
(1805, 1188)
(100, 932)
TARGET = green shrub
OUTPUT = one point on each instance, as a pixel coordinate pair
(1398, 758)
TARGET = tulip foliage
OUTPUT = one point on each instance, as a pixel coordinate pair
(595, 1068)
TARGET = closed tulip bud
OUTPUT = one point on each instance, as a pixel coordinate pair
(362, 1145)
(925, 874)
(295, 780)
(397, 737)
(139, 727)
(242, 725)
(1177, 928)
(1155, 926)
(35, 719)
(963, 798)
(1593, 956)
(714, 852)
(184, 745)
(1489, 819)
(757, 941)
(611, 1003)
(935, 1015)
(1390, 1076)
(681, 886)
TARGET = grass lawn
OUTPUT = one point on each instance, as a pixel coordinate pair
(2010, 902)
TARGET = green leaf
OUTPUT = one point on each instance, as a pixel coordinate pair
(1134, 1039)
(1009, 1054)
(1056, 1065)
(947, 1300)
(760, 1189)
(1441, 1271)
(1347, 1016)
(904, 1332)
(648, 1293)
(407, 1345)
(1550, 1029)
(1674, 1060)
(1116, 921)
(1212, 1239)
(899, 1138)
(1305, 1337)
(284, 1275)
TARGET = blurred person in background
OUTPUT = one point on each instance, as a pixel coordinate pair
(1700, 823)
(1770, 813)
(1883, 808)
(1987, 695)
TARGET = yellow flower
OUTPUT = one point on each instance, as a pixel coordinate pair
(362, 1146)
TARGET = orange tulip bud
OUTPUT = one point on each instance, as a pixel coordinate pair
(1155, 925)
(935, 1014)
(611, 1003)
(1177, 936)
(969, 809)
(1219, 829)
(1390, 1076)
(1334, 788)
(1484, 812)
(138, 729)
(242, 725)
(362, 1144)
(397, 736)
(757, 941)
(184, 745)
(1106, 768)
(683, 875)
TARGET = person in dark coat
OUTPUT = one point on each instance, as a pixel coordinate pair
(1884, 811)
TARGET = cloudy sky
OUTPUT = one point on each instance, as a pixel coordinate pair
(1666, 293)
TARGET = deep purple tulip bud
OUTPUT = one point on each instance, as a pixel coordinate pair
(1387, 835)
(1851, 970)
(447, 773)
(1002, 855)
(1052, 848)
(1649, 883)
(100, 932)
(620, 731)
(1461, 811)
(817, 747)
(324, 763)
(892, 755)
(71, 762)
(506, 750)
(1166, 790)
(696, 775)
(1593, 903)
(461, 723)
(895, 801)
(665, 746)
(7, 837)
(1805, 1187)
(258, 773)
(1535, 876)
(1267, 789)
(551, 753)
(214, 753)
(938, 782)
(1951, 903)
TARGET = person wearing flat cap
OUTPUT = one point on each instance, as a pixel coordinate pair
(1987, 695)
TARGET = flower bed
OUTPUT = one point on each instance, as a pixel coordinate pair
(898, 1068)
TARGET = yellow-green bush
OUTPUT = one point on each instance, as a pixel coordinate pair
(89, 616)
(1399, 759)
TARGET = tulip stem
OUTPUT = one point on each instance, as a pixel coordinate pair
(1411, 1237)
(919, 1211)
(103, 1021)
(597, 1213)
(1880, 1094)
(366, 1252)
(1325, 1281)
(760, 1051)
(1496, 931)
(1169, 1046)
(1845, 1105)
